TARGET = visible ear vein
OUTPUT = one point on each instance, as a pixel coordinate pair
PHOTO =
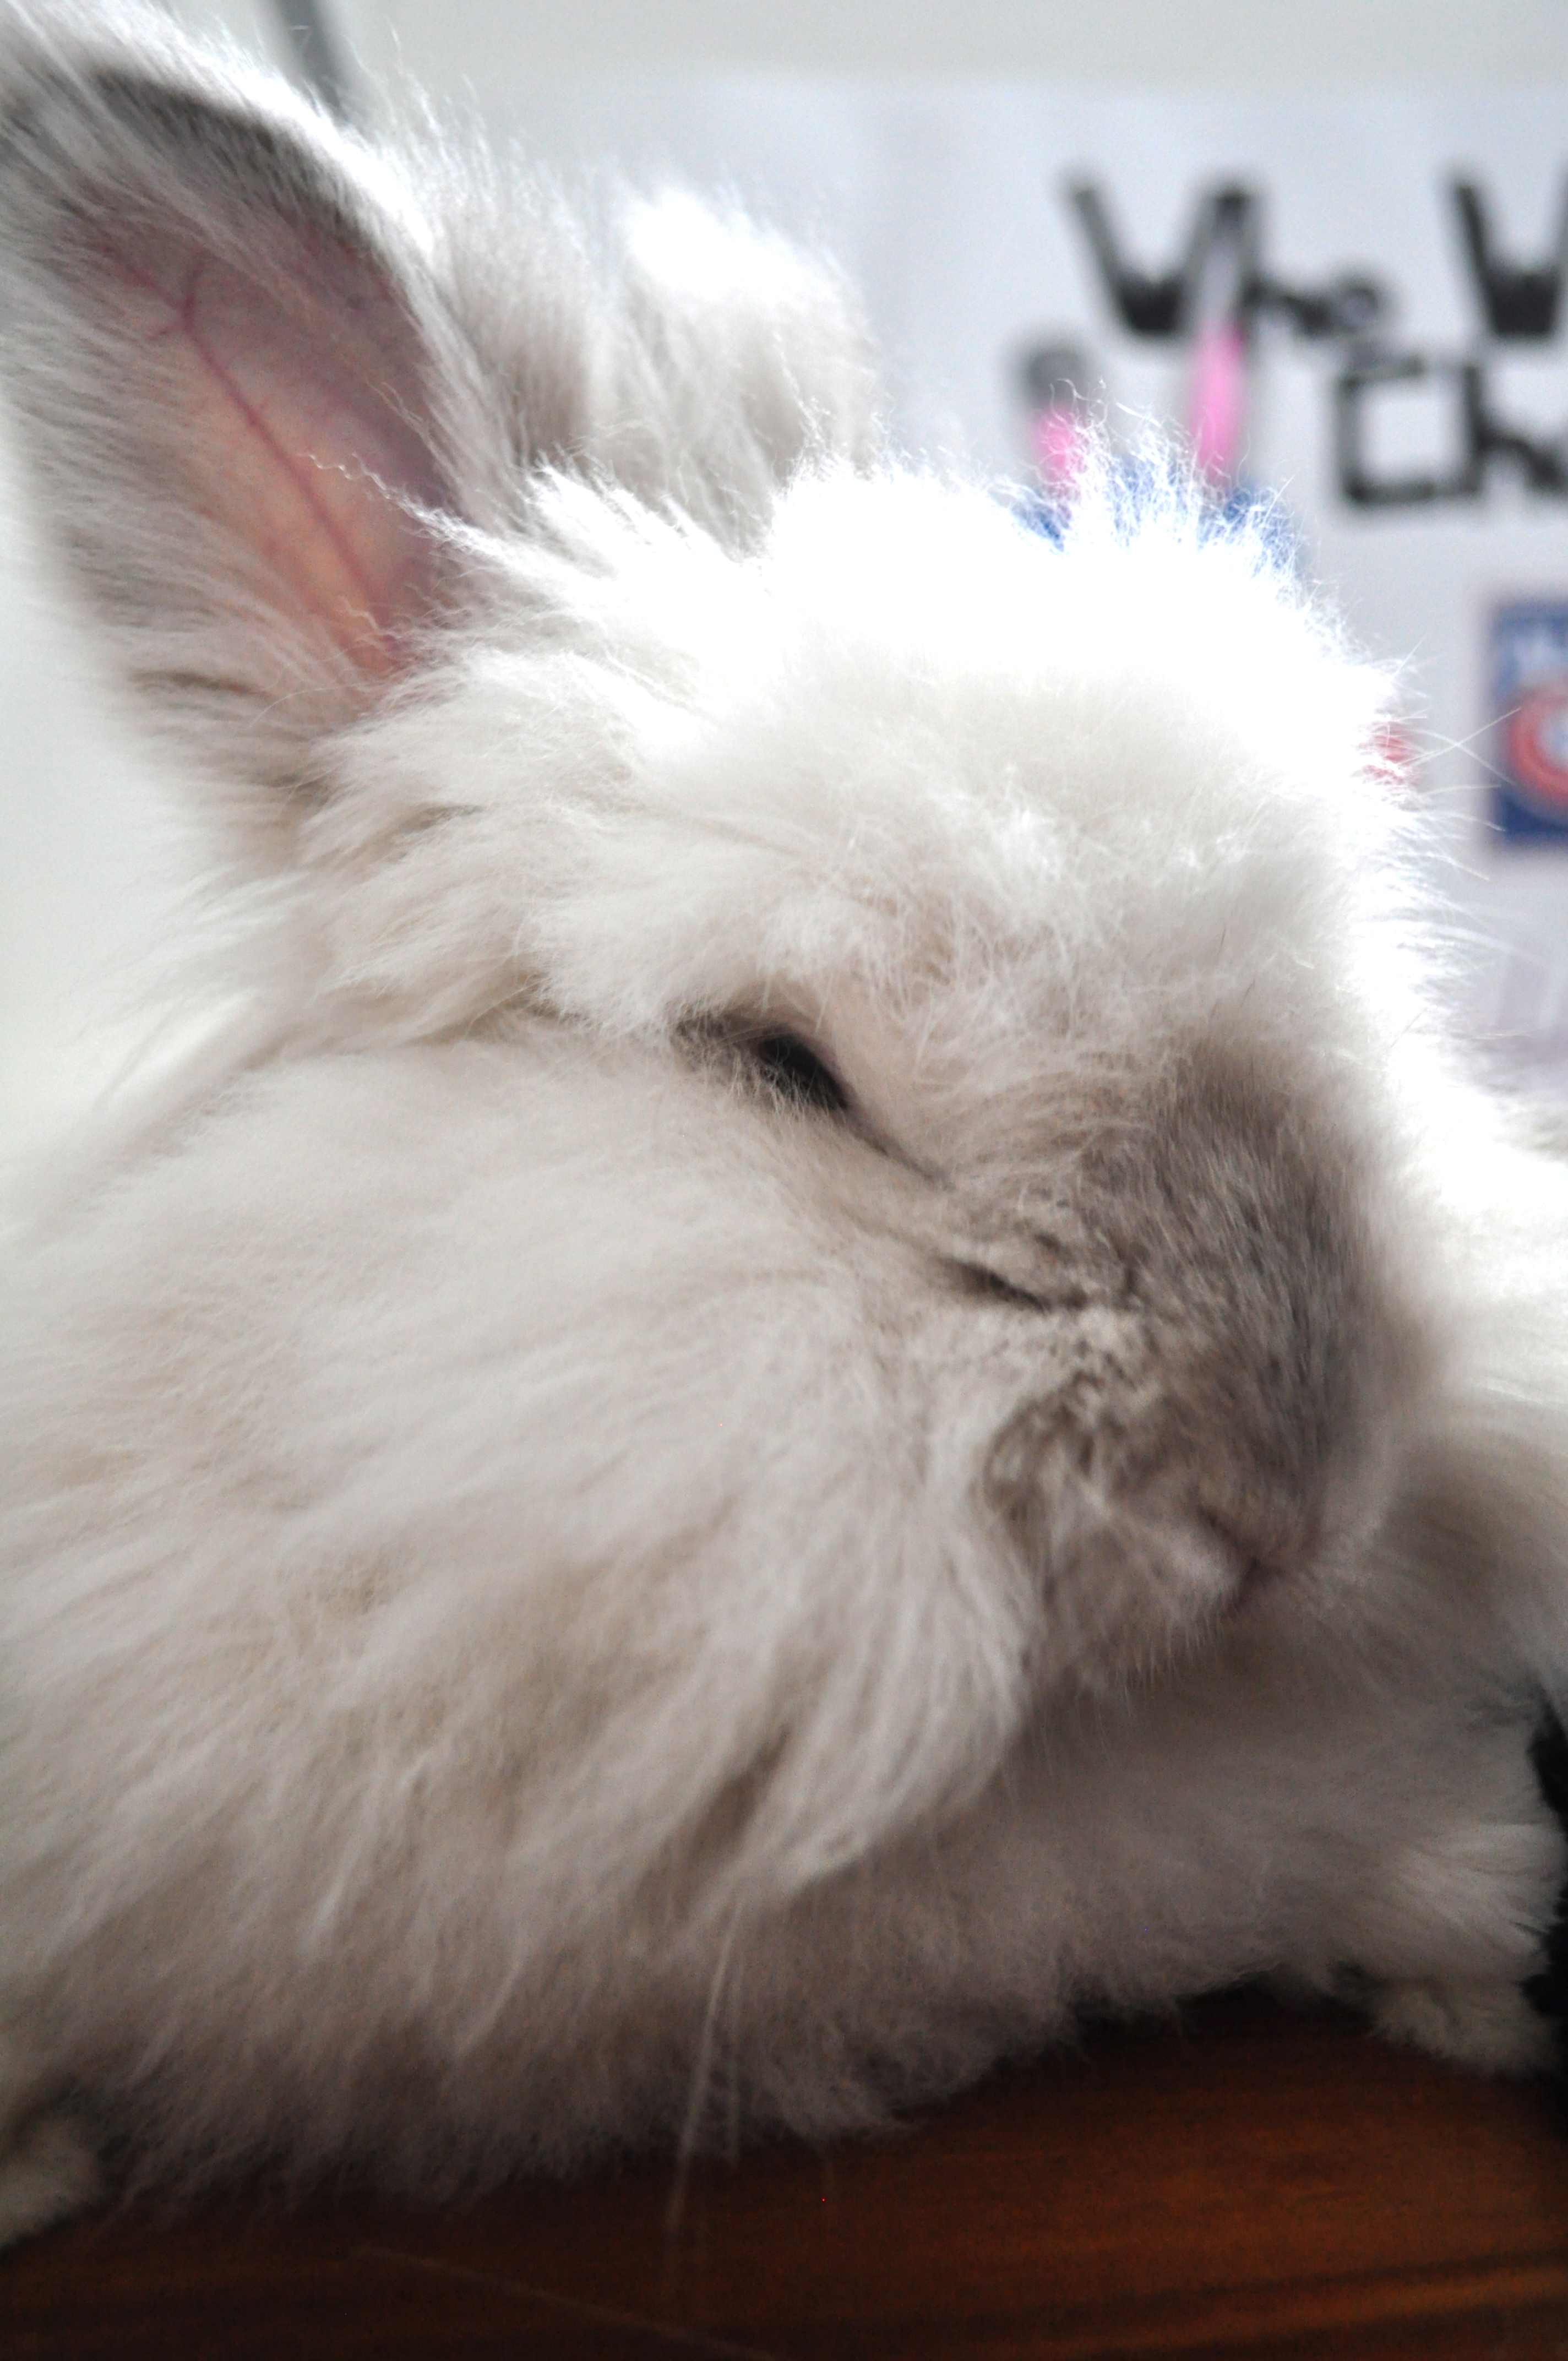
(183, 320)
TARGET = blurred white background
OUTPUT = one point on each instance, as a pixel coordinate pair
(929, 142)
(1222, 45)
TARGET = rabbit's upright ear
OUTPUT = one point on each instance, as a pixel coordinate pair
(226, 351)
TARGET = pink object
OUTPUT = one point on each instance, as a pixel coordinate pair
(1061, 447)
(1393, 758)
(1219, 398)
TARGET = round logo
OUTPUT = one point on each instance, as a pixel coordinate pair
(1537, 747)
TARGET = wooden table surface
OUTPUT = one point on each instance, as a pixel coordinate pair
(1253, 2181)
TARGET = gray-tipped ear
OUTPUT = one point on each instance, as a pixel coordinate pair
(215, 336)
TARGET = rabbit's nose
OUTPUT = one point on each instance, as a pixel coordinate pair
(1218, 1413)
(1252, 1228)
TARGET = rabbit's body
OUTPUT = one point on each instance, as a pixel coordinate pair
(841, 1372)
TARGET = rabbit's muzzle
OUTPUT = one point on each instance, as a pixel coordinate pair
(1222, 1373)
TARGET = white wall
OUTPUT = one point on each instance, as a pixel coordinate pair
(1232, 45)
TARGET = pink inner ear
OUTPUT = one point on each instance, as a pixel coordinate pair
(289, 408)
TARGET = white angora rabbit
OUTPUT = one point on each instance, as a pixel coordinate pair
(835, 1367)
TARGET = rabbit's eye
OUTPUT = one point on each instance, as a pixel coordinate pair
(795, 1070)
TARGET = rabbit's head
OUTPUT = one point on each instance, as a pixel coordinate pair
(969, 956)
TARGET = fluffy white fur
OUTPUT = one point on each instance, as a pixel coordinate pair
(568, 1576)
